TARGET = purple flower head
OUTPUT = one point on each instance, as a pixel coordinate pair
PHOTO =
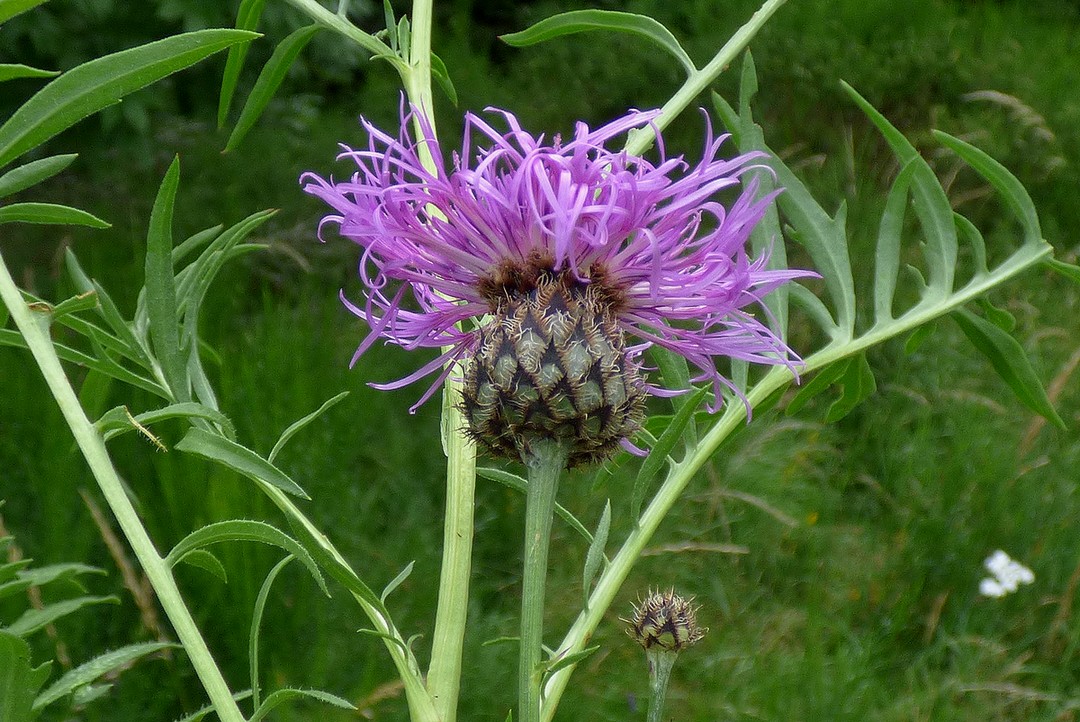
(443, 249)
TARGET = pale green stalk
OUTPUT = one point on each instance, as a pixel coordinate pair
(93, 448)
(660, 664)
(640, 140)
(546, 462)
(341, 25)
(444, 674)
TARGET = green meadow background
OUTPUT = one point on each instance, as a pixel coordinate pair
(837, 566)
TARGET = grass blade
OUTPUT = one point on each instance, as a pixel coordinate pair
(579, 21)
(25, 176)
(89, 87)
(269, 80)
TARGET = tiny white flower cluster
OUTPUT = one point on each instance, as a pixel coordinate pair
(1008, 573)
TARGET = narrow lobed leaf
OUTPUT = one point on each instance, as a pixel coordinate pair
(595, 556)
(256, 624)
(297, 426)
(244, 530)
(247, 18)
(95, 669)
(30, 174)
(13, 71)
(579, 21)
(442, 77)
(658, 455)
(519, 484)
(49, 214)
(269, 80)
(856, 385)
(202, 559)
(33, 620)
(214, 447)
(887, 251)
(1007, 357)
(396, 581)
(102, 82)
(11, 8)
(161, 305)
(281, 696)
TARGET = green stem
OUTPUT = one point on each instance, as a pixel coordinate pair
(640, 140)
(546, 462)
(93, 448)
(660, 665)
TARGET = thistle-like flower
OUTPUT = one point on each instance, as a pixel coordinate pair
(548, 269)
(666, 621)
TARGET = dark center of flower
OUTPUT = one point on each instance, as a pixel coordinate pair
(551, 365)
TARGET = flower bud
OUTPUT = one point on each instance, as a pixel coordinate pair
(665, 620)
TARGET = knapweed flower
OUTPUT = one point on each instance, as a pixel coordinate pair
(549, 268)
(666, 621)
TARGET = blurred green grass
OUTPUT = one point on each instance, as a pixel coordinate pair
(837, 566)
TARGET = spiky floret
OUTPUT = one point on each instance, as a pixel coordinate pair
(662, 260)
(665, 620)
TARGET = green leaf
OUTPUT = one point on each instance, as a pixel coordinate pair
(1016, 196)
(287, 695)
(238, 458)
(391, 25)
(997, 316)
(554, 665)
(201, 713)
(49, 213)
(659, 453)
(918, 337)
(856, 385)
(967, 230)
(887, 253)
(40, 576)
(161, 303)
(11, 8)
(595, 556)
(256, 623)
(299, 425)
(11, 71)
(119, 420)
(34, 619)
(97, 668)
(193, 242)
(1065, 269)
(820, 381)
(97, 84)
(247, 18)
(18, 681)
(578, 21)
(269, 80)
(442, 77)
(396, 581)
(519, 484)
(202, 559)
(244, 530)
(931, 204)
(1007, 357)
(30, 174)
(822, 235)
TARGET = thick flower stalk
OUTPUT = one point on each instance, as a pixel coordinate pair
(549, 268)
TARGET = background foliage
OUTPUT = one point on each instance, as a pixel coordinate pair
(837, 565)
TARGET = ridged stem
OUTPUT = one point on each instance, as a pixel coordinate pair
(545, 462)
(660, 663)
(97, 457)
